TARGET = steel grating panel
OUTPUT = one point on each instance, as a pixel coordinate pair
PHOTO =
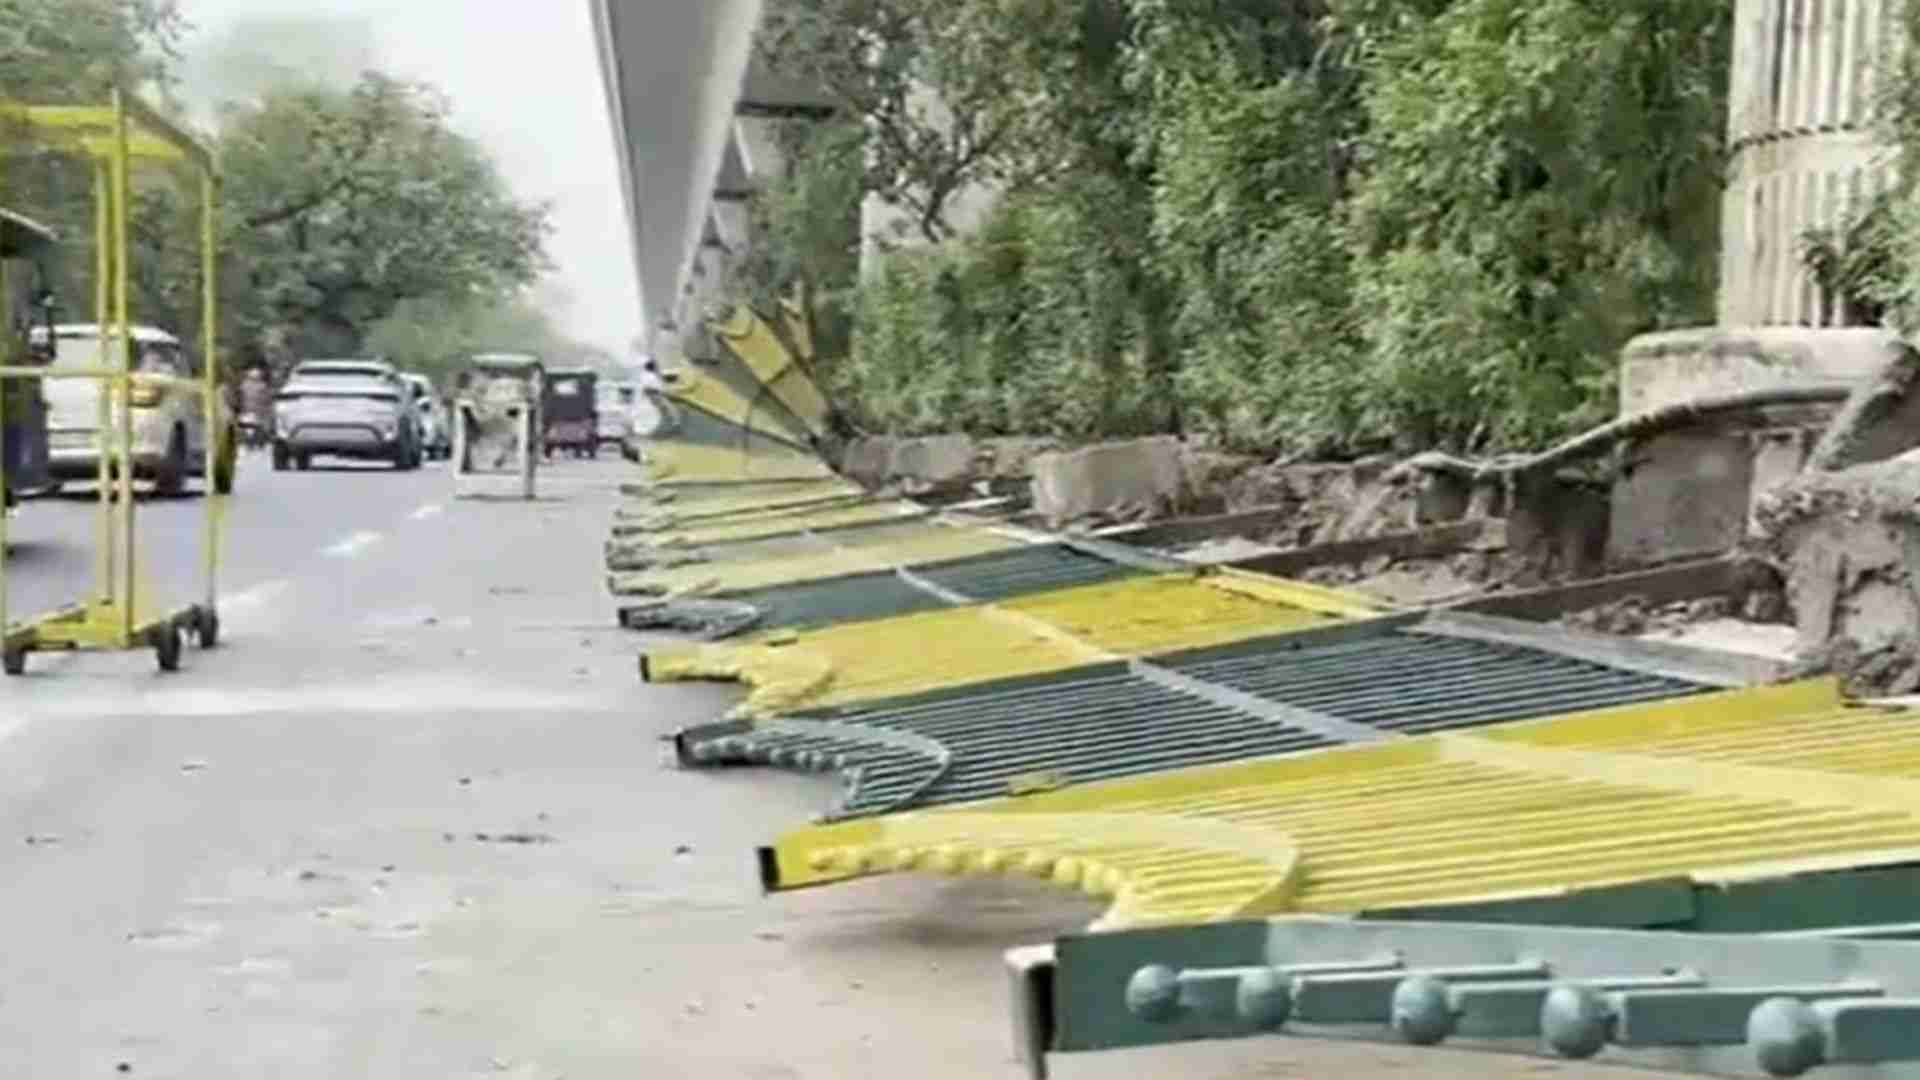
(726, 368)
(645, 499)
(1709, 787)
(1142, 615)
(882, 658)
(766, 524)
(993, 576)
(1031, 569)
(700, 392)
(1411, 683)
(805, 556)
(1104, 722)
(752, 342)
(690, 421)
(641, 525)
(652, 515)
(856, 597)
(1354, 683)
(671, 462)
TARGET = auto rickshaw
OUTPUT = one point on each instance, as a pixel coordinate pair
(497, 418)
(570, 406)
(24, 245)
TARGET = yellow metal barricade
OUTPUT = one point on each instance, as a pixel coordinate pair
(113, 138)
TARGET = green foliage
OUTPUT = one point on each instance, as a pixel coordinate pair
(872, 57)
(339, 204)
(73, 52)
(1863, 265)
(1011, 331)
(433, 335)
(805, 228)
(1321, 226)
(1540, 183)
(1868, 265)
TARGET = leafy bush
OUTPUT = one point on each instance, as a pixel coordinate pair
(1321, 226)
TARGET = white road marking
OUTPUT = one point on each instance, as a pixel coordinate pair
(353, 545)
(427, 511)
(254, 598)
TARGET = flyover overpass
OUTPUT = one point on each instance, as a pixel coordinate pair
(690, 120)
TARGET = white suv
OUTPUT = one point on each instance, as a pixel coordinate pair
(436, 435)
(170, 437)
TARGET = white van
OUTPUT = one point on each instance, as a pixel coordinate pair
(170, 437)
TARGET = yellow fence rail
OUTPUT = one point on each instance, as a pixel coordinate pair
(906, 654)
(1719, 787)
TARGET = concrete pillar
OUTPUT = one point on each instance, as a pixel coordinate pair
(1803, 153)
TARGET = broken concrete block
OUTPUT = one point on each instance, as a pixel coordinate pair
(1681, 492)
(1778, 455)
(1558, 525)
(867, 460)
(1208, 476)
(1683, 365)
(933, 463)
(1847, 543)
(1442, 498)
(1117, 480)
(1011, 457)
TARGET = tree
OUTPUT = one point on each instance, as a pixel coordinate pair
(804, 229)
(340, 206)
(1253, 111)
(1303, 226)
(74, 52)
(433, 334)
(927, 81)
(1541, 181)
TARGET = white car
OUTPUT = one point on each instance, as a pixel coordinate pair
(170, 437)
(436, 431)
(614, 410)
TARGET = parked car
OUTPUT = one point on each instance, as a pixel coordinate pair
(436, 428)
(170, 437)
(361, 416)
(374, 368)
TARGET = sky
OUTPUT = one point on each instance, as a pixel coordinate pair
(523, 77)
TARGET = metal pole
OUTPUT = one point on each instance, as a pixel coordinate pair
(209, 350)
(526, 453)
(459, 468)
(106, 561)
(123, 383)
(6, 394)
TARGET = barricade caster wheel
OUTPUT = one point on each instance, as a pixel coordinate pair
(166, 641)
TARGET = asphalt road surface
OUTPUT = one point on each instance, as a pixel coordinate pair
(410, 821)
